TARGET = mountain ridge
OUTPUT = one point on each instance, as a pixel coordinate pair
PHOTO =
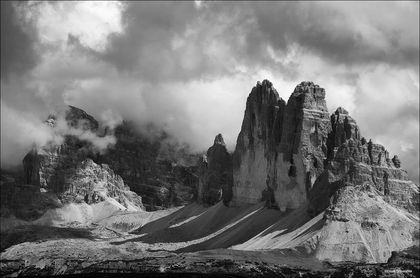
(301, 183)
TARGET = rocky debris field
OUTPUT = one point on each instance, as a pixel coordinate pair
(186, 240)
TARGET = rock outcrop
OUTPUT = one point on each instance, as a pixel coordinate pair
(352, 161)
(46, 167)
(281, 147)
(296, 153)
(154, 169)
(215, 174)
(66, 172)
(300, 157)
(255, 151)
(162, 173)
(77, 118)
(92, 183)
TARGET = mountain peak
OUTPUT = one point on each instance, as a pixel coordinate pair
(308, 87)
(341, 110)
(218, 140)
(78, 118)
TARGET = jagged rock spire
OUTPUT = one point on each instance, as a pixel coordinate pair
(284, 150)
(215, 174)
(280, 143)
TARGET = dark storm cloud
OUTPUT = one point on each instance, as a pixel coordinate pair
(384, 33)
(332, 31)
(145, 44)
(18, 54)
(177, 41)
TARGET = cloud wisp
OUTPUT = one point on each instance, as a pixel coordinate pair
(35, 133)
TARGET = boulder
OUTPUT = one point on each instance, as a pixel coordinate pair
(396, 161)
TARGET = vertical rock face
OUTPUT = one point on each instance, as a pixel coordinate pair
(256, 144)
(302, 148)
(215, 174)
(162, 177)
(356, 162)
(281, 148)
(343, 128)
(296, 153)
(352, 161)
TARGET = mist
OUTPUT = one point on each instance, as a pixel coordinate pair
(22, 132)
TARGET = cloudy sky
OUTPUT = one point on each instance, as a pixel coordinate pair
(188, 67)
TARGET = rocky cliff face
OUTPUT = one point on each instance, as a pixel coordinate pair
(298, 156)
(163, 174)
(281, 147)
(354, 161)
(46, 167)
(68, 173)
(296, 153)
(256, 144)
(215, 174)
(147, 168)
(93, 183)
